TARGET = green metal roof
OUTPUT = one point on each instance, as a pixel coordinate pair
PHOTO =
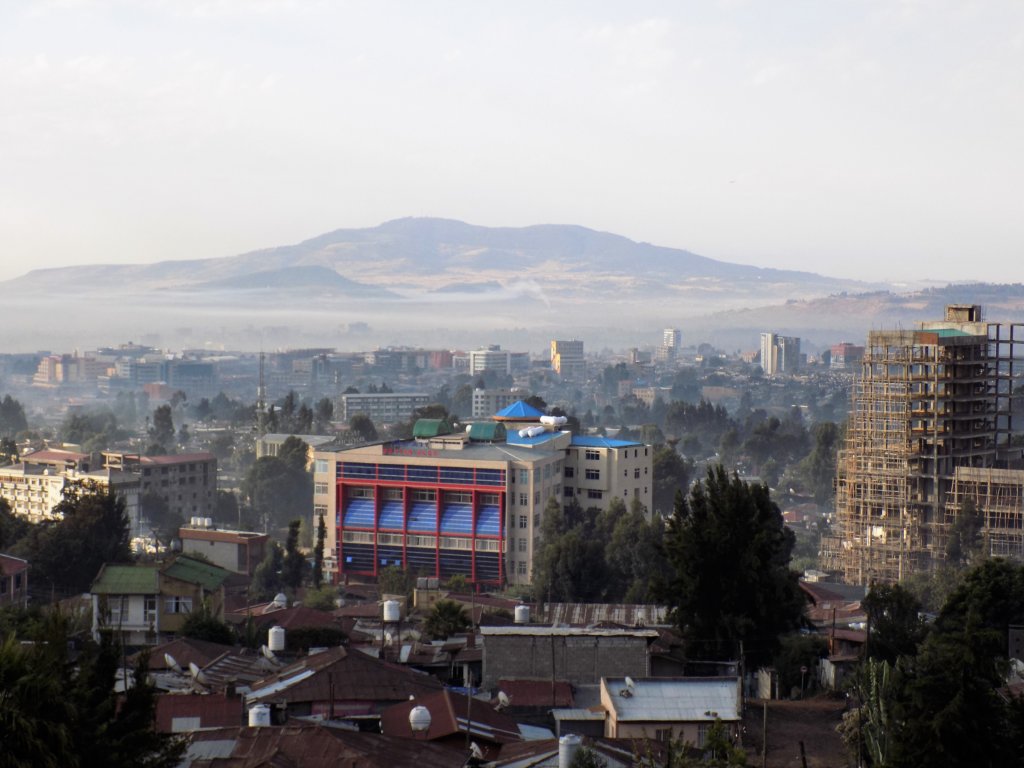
(431, 428)
(127, 580)
(948, 332)
(208, 575)
(487, 431)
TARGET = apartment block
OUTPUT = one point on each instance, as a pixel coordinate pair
(567, 358)
(383, 407)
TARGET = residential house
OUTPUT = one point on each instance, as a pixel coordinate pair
(13, 581)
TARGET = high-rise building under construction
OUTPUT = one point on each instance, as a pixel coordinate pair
(930, 428)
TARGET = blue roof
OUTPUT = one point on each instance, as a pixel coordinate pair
(602, 442)
(519, 410)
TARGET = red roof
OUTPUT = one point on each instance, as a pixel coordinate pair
(10, 565)
(299, 616)
(185, 650)
(537, 693)
(52, 454)
(178, 458)
(452, 714)
(346, 675)
(213, 710)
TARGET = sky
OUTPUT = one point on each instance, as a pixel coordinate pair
(872, 139)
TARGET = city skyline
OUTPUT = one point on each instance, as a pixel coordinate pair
(871, 140)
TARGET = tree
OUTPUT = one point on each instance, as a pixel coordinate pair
(392, 580)
(201, 624)
(93, 529)
(672, 473)
(162, 430)
(363, 426)
(323, 413)
(266, 579)
(965, 543)
(294, 561)
(729, 579)
(569, 565)
(318, 552)
(12, 417)
(162, 521)
(446, 617)
(279, 488)
(322, 598)
(894, 615)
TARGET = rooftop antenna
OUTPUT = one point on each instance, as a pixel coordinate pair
(261, 400)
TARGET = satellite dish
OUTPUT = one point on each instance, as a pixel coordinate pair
(503, 700)
(474, 749)
(173, 664)
(265, 650)
(629, 682)
(389, 639)
(197, 674)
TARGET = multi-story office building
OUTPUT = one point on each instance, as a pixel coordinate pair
(671, 341)
(35, 486)
(383, 407)
(931, 415)
(466, 503)
(567, 358)
(491, 358)
(489, 401)
(779, 354)
(846, 356)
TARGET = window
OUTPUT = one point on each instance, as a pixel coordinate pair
(489, 499)
(522, 545)
(536, 498)
(178, 604)
(636, 473)
(591, 455)
(458, 497)
(118, 609)
(593, 474)
(424, 494)
(568, 492)
(536, 474)
(523, 521)
(393, 494)
(702, 734)
(547, 471)
(320, 510)
(360, 493)
(524, 476)
(524, 500)
(664, 734)
(149, 609)
(320, 465)
(570, 472)
(592, 494)
(318, 488)
(521, 568)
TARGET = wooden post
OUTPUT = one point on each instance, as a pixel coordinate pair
(764, 736)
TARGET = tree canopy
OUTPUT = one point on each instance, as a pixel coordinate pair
(729, 578)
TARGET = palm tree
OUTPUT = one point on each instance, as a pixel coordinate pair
(445, 619)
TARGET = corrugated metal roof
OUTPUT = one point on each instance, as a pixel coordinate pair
(535, 631)
(431, 428)
(585, 614)
(688, 699)
(208, 575)
(126, 580)
(569, 713)
(487, 430)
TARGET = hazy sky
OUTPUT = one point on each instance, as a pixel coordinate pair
(858, 139)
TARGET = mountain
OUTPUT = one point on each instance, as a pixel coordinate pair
(440, 282)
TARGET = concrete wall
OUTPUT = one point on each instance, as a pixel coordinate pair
(581, 660)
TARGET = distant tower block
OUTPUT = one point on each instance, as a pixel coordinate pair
(567, 358)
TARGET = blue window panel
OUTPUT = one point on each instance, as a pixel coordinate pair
(359, 513)
(457, 518)
(357, 557)
(391, 514)
(423, 517)
(487, 566)
(457, 475)
(351, 469)
(389, 555)
(488, 521)
(391, 471)
(453, 562)
(490, 477)
(422, 560)
(422, 474)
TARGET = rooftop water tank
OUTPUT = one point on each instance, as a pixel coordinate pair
(568, 746)
(392, 611)
(259, 716)
(275, 639)
(419, 719)
(522, 614)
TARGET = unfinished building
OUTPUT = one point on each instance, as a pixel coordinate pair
(928, 403)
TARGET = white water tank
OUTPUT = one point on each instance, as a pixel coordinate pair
(275, 639)
(419, 719)
(392, 611)
(207, 522)
(568, 746)
(522, 614)
(259, 716)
